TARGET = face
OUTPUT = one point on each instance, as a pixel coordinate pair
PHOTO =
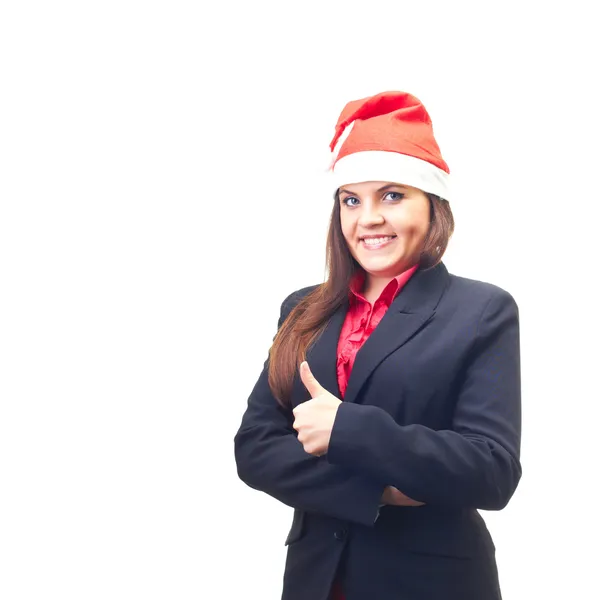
(385, 225)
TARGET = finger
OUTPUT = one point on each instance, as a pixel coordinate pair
(299, 408)
(308, 379)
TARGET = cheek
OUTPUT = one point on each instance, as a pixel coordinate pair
(413, 225)
(347, 228)
(420, 231)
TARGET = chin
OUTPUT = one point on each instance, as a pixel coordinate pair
(383, 270)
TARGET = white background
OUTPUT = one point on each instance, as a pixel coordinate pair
(162, 190)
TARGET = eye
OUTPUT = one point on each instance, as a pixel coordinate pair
(345, 201)
(394, 196)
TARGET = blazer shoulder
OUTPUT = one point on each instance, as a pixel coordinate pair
(483, 291)
(294, 298)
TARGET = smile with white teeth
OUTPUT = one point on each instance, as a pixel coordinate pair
(376, 241)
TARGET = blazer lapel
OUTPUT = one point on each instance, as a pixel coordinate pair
(410, 311)
(413, 308)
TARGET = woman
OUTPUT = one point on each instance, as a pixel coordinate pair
(388, 411)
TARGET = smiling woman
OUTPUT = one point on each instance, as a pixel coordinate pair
(388, 411)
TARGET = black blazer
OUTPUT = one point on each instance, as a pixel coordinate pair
(433, 408)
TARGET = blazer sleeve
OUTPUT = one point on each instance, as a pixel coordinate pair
(473, 465)
(271, 459)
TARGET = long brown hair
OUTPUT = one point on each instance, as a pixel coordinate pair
(310, 316)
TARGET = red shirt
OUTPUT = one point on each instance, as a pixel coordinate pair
(361, 320)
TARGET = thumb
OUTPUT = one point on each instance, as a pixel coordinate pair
(309, 380)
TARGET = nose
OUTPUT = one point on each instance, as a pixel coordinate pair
(371, 215)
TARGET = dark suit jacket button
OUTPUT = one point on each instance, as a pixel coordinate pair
(340, 534)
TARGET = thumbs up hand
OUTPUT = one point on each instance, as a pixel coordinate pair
(314, 419)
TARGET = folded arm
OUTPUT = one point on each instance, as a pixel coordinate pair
(474, 464)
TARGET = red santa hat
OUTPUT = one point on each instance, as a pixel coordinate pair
(388, 137)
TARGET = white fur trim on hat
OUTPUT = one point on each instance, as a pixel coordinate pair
(378, 165)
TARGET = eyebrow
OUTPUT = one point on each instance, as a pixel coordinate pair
(382, 189)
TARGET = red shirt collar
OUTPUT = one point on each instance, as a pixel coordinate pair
(391, 290)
